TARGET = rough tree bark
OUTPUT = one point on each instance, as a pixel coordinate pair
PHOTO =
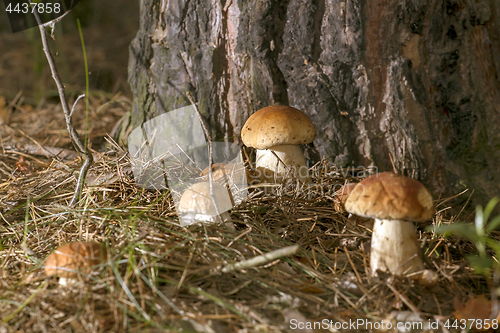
(412, 81)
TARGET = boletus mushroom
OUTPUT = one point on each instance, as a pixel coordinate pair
(394, 201)
(71, 260)
(196, 204)
(276, 131)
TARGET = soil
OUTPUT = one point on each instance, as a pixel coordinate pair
(108, 28)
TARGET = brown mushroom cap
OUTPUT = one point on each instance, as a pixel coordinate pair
(391, 196)
(277, 125)
(72, 257)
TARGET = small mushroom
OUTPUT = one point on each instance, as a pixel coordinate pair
(341, 196)
(393, 201)
(221, 172)
(196, 204)
(74, 259)
(276, 131)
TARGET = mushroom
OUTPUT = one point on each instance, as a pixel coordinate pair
(196, 204)
(276, 131)
(73, 259)
(341, 196)
(393, 201)
(222, 171)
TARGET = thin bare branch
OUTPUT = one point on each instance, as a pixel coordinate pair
(262, 259)
(76, 102)
(73, 134)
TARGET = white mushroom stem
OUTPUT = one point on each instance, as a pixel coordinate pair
(193, 218)
(290, 159)
(395, 248)
(67, 281)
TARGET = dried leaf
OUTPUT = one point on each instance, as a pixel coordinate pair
(476, 308)
(309, 288)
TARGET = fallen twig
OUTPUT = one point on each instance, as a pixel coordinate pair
(262, 259)
(42, 151)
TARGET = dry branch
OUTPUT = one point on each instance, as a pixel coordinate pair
(262, 259)
(73, 134)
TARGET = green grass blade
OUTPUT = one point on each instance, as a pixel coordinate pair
(489, 208)
(495, 223)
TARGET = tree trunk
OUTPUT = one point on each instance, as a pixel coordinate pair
(405, 84)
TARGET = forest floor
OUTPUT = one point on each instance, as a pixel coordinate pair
(161, 276)
(165, 277)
